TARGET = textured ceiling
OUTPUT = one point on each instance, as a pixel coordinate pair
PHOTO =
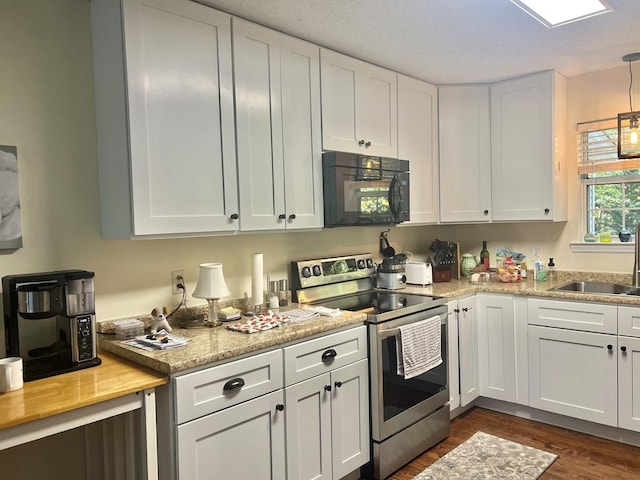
(452, 41)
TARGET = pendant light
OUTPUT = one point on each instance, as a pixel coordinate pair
(628, 131)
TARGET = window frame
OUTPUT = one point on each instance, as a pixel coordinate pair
(611, 163)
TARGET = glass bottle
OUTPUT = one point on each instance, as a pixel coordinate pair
(484, 256)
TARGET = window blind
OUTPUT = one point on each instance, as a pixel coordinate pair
(598, 148)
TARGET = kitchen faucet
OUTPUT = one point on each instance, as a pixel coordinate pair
(636, 259)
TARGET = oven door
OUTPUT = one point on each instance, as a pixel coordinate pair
(396, 402)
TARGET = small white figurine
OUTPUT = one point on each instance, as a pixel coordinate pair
(160, 320)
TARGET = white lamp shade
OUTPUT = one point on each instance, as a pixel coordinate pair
(211, 282)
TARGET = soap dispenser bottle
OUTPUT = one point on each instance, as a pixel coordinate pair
(551, 270)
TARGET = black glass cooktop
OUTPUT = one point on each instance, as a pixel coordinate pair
(381, 306)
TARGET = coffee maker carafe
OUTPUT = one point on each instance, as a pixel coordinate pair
(49, 321)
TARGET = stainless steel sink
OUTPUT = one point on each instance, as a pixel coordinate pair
(598, 288)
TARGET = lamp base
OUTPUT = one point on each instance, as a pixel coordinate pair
(213, 320)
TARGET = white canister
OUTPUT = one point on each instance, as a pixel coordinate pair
(11, 374)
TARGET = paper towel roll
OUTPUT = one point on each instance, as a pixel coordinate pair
(257, 279)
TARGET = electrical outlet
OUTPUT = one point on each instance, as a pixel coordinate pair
(177, 278)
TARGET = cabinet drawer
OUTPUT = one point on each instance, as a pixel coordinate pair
(203, 392)
(305, 360)
(588, 317)
(629, 321)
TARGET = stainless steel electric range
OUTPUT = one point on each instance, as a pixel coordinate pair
(408, 416)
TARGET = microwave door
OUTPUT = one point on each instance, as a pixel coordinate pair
(365, 201)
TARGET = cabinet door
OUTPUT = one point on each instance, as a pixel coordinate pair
(496, 347)
(523, 165)
(359, 106)
(245, 441)
(377, 110)
(308, 413)
(452, 355)
(468, 346)
(418, 143)
(465, 154)
(350, 418)
(574, 373)
(629, 383)
(256, 56)
(301, 132)
(178, 69)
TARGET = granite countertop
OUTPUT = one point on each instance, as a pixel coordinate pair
(529, 287)
(209, 345)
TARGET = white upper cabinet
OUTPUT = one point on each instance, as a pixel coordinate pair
(465, 154)
(277, 89)
(528, 129)
(359, 106)
(163, 92)
(418, 143)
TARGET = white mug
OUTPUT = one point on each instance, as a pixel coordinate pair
(10, 374)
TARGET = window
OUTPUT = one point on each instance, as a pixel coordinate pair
(611, 186)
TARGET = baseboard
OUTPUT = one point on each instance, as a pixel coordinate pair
(575, 424)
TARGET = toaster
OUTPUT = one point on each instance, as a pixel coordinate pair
(418, 273)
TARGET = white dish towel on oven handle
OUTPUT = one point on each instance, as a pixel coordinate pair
(419, 347)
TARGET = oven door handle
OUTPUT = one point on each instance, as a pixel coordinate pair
(390, 332)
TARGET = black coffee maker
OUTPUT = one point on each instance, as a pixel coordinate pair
(49, 321)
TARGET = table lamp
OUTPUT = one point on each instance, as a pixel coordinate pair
(211, 285)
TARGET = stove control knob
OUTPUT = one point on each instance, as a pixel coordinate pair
(306, 272)
(361, 264)
(316, 270)
(369, 263)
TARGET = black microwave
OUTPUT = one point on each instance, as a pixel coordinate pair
(364, 190)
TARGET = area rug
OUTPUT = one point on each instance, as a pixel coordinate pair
(486, 457)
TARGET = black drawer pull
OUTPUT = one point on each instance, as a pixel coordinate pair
(279, 407)
(338, 384)
(233, 384)
(327, 388)
(329, 355)
(623, 348)
(609, 347)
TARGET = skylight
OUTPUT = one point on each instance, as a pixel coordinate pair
(554, 13)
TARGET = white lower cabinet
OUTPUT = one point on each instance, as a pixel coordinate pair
(496, 346)
(574, 373)
(629, 383)
(327, 424)
(463, 312)
(298, 412)
(453, 353)
(629, 368)
(244, 441)
(327, 406)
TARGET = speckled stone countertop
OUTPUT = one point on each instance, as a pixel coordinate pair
(529, 287)
(209, 345)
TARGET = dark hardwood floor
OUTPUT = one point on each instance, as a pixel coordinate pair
(580, 456)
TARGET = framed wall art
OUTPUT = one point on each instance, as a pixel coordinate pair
(10, 222)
